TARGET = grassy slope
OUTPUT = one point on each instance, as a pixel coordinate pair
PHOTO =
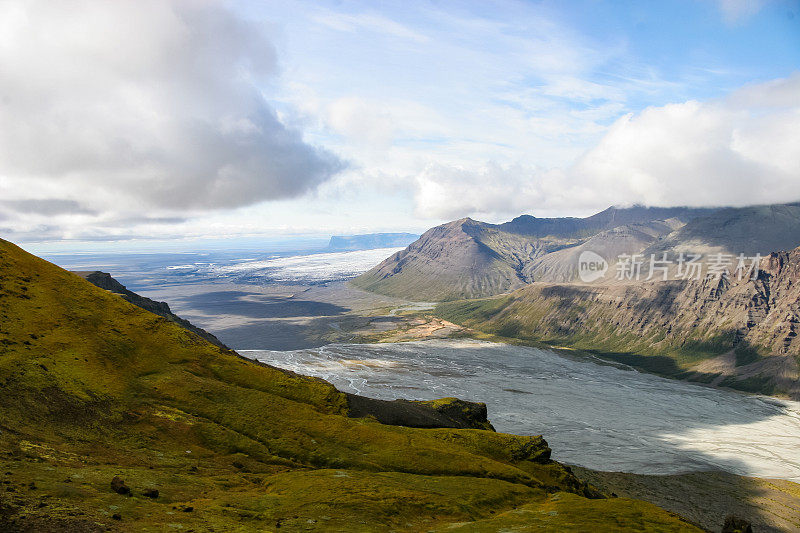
(95, 387)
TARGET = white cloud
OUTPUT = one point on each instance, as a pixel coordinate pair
(135, 105)
(362, 121)
(736, 11)
(114, 109)
(371, 22)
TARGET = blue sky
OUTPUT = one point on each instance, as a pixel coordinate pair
(313, 118)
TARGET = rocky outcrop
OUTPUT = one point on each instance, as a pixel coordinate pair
(107, 282)
(444, 413)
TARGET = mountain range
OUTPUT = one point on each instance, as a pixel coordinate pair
(520, 280)
(471, 259)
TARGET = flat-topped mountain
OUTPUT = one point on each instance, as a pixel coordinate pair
(116, 419)
(750, 230)
(613, 217)
(370, 241)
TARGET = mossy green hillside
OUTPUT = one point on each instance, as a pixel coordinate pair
(94, 387)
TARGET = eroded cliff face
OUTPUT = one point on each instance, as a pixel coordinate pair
(738, 333)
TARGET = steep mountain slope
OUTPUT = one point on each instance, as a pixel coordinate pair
(471, 259)
(736, 333)
(105, 281)
(457, 259)
(114, 418)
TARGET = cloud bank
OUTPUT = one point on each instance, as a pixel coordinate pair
(114, 107)
(739, 150)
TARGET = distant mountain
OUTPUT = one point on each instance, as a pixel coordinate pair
(562, 265)
(613, 217)
(370, 241)
(755, 230)
(105, 281)
(726, 331)
(750, 230)
(471, 259)
(464, 258)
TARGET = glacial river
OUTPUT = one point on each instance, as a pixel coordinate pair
(597, 416)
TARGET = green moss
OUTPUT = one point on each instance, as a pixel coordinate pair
(757, 384)
(747, 354)
(566, 512)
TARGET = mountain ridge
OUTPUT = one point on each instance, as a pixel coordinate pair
(466, 258)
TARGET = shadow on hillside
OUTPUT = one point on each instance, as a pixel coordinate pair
(253, 305)
(706, 498)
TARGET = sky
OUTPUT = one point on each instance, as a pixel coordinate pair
(142, 121)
